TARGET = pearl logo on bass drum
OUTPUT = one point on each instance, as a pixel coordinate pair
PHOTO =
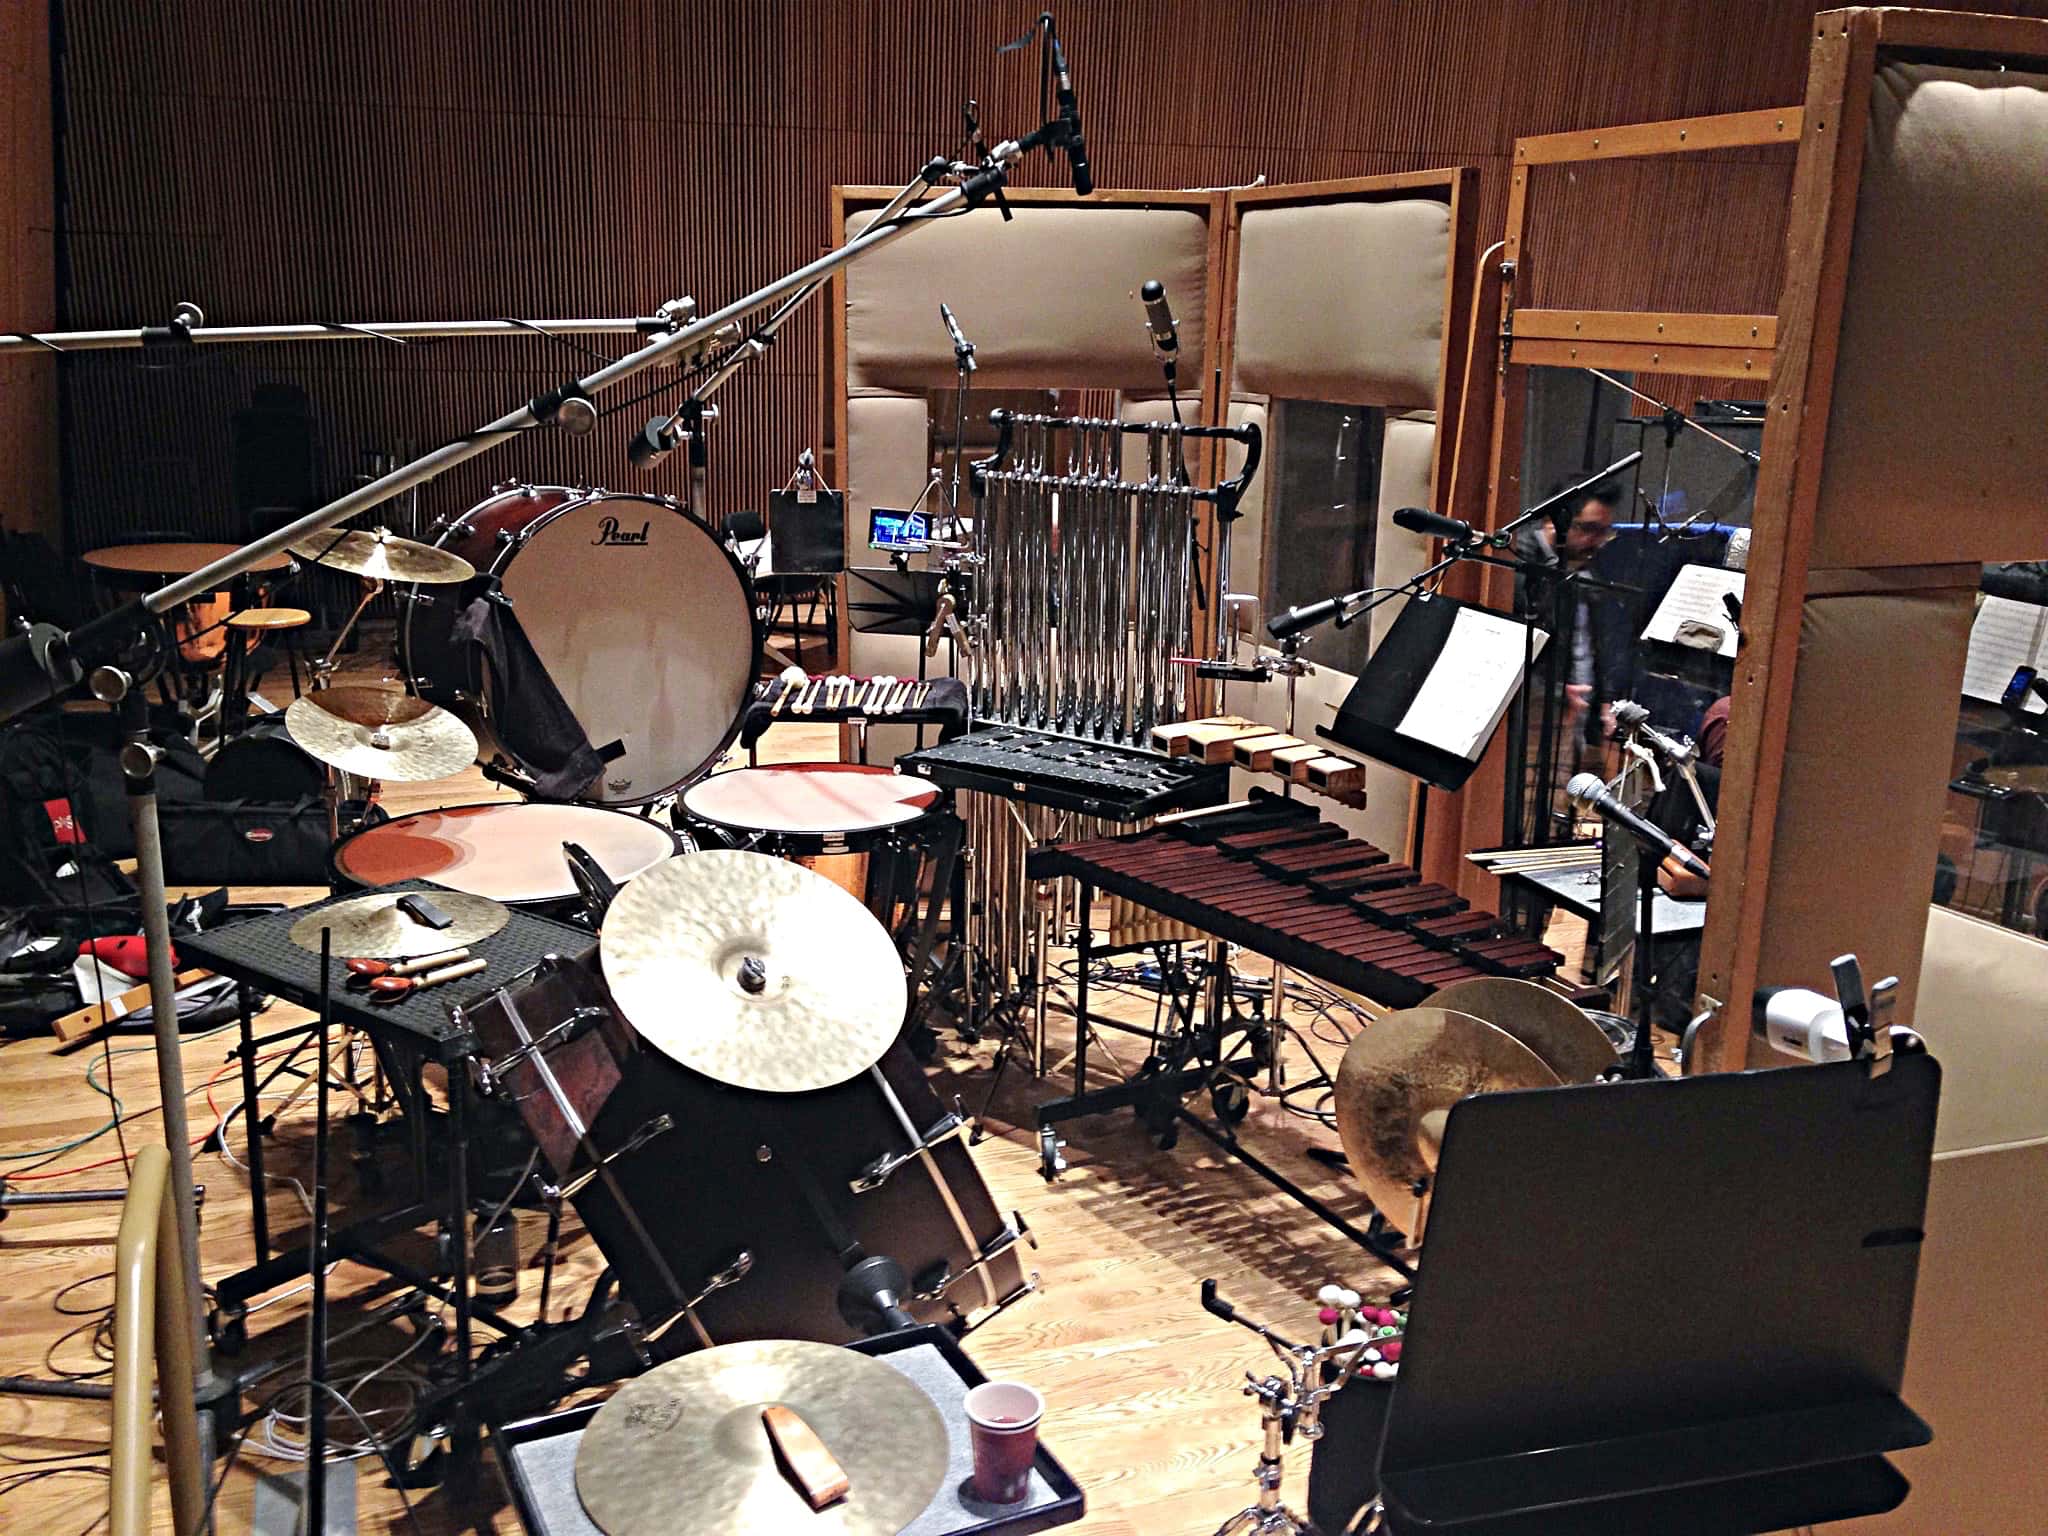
(611, 535)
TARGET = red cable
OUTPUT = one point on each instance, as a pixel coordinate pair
(105, 1162)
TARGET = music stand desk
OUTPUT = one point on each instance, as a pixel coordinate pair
(1583, 1357)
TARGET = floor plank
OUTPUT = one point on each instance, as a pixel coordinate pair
(1142, 1386)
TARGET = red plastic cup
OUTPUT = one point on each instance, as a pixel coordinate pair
(1002, 1417)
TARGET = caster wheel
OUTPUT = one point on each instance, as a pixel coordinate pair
(1051, 1164)
(1231, 1102)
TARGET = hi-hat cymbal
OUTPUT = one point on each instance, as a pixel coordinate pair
(378, 554)
(753, 970)
(381, 734)
(1398, 1080)
(1564, 1035)
(372, 927)
(683, 1447)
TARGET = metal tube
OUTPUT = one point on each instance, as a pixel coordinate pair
(212, 577)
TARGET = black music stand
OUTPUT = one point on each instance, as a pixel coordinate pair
(1435, 689)
(1731, 1366)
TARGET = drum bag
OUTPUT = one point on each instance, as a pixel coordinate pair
(245, 842)
(543, 734)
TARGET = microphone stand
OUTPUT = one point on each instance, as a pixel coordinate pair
(41, 664)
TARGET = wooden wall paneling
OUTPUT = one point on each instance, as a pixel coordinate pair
(28, 273)
(387, 160)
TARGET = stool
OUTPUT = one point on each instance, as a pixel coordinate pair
(252, 627)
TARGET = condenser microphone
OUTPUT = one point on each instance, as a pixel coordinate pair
(1437, 526)
(963, 349)
(653, 442)
(1587, 790)
(1159, 320)
(1070, 114)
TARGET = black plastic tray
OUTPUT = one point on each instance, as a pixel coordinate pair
(537, 1456)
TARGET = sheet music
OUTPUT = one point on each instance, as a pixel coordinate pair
(1696, 594)
(2005, 637)
(1468, 688)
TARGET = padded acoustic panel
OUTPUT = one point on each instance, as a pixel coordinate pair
(1978, 1354)
(1049, 300)
(1983, 1009)
(1407, 454)
(1934, 449)
(1343, 302)
(887, 458)
(1866, 774)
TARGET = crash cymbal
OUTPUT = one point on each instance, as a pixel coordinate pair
(372, 927)
(1564, 1035)
(683, 1447)
(1398, 1080)
(2026, 777)
(378, 554)
(380, 733)
(753, 970)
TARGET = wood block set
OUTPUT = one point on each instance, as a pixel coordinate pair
(1275, 877)
(1259, 748)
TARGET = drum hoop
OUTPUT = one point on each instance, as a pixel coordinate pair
(757, 627)
(860, 839)
(343, 879)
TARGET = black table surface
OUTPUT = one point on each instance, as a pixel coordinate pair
(261, 953)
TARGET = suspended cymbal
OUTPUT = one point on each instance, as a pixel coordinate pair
(378, 554)
(380, 733)
(1399, 1078)
(683, 1447)
(372, 927)
(753, 970)
(1563, 1034)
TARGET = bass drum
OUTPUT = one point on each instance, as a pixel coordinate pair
(695, 1174)
(644, 621)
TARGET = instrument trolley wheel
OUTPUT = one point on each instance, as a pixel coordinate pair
(1051, 1164)
(1230, 1100)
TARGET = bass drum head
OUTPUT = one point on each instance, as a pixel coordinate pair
(510, 853)
(646, 626)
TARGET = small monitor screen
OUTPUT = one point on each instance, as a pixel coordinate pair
(892, 529)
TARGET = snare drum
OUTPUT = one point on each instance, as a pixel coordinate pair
(828, 816)
(510, 853)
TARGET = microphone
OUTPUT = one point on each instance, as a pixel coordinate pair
(654, 442)
(1587, 790)
(963, 349)
(1421, 520)
(1308, 615)
(1070, 114)
(1159, 318)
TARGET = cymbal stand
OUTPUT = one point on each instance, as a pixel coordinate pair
(1289, 1403)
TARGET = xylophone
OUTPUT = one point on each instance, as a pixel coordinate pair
(1273, 876)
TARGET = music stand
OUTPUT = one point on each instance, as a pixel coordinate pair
(1435, 689)
(1729, 1366)
(881, 600)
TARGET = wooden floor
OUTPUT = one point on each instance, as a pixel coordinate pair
(1142, 1386)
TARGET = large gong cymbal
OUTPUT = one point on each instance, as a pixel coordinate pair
(683, 1447)
(381, 733)
(378, 554)
(1398, 1080)
(1567, 1039)
(372, 927)
(753, 970)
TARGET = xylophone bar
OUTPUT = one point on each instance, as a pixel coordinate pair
(1276, 879)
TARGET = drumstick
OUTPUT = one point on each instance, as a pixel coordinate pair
(902, 696)
(803, 701)
(922, 690)
(392, 988)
